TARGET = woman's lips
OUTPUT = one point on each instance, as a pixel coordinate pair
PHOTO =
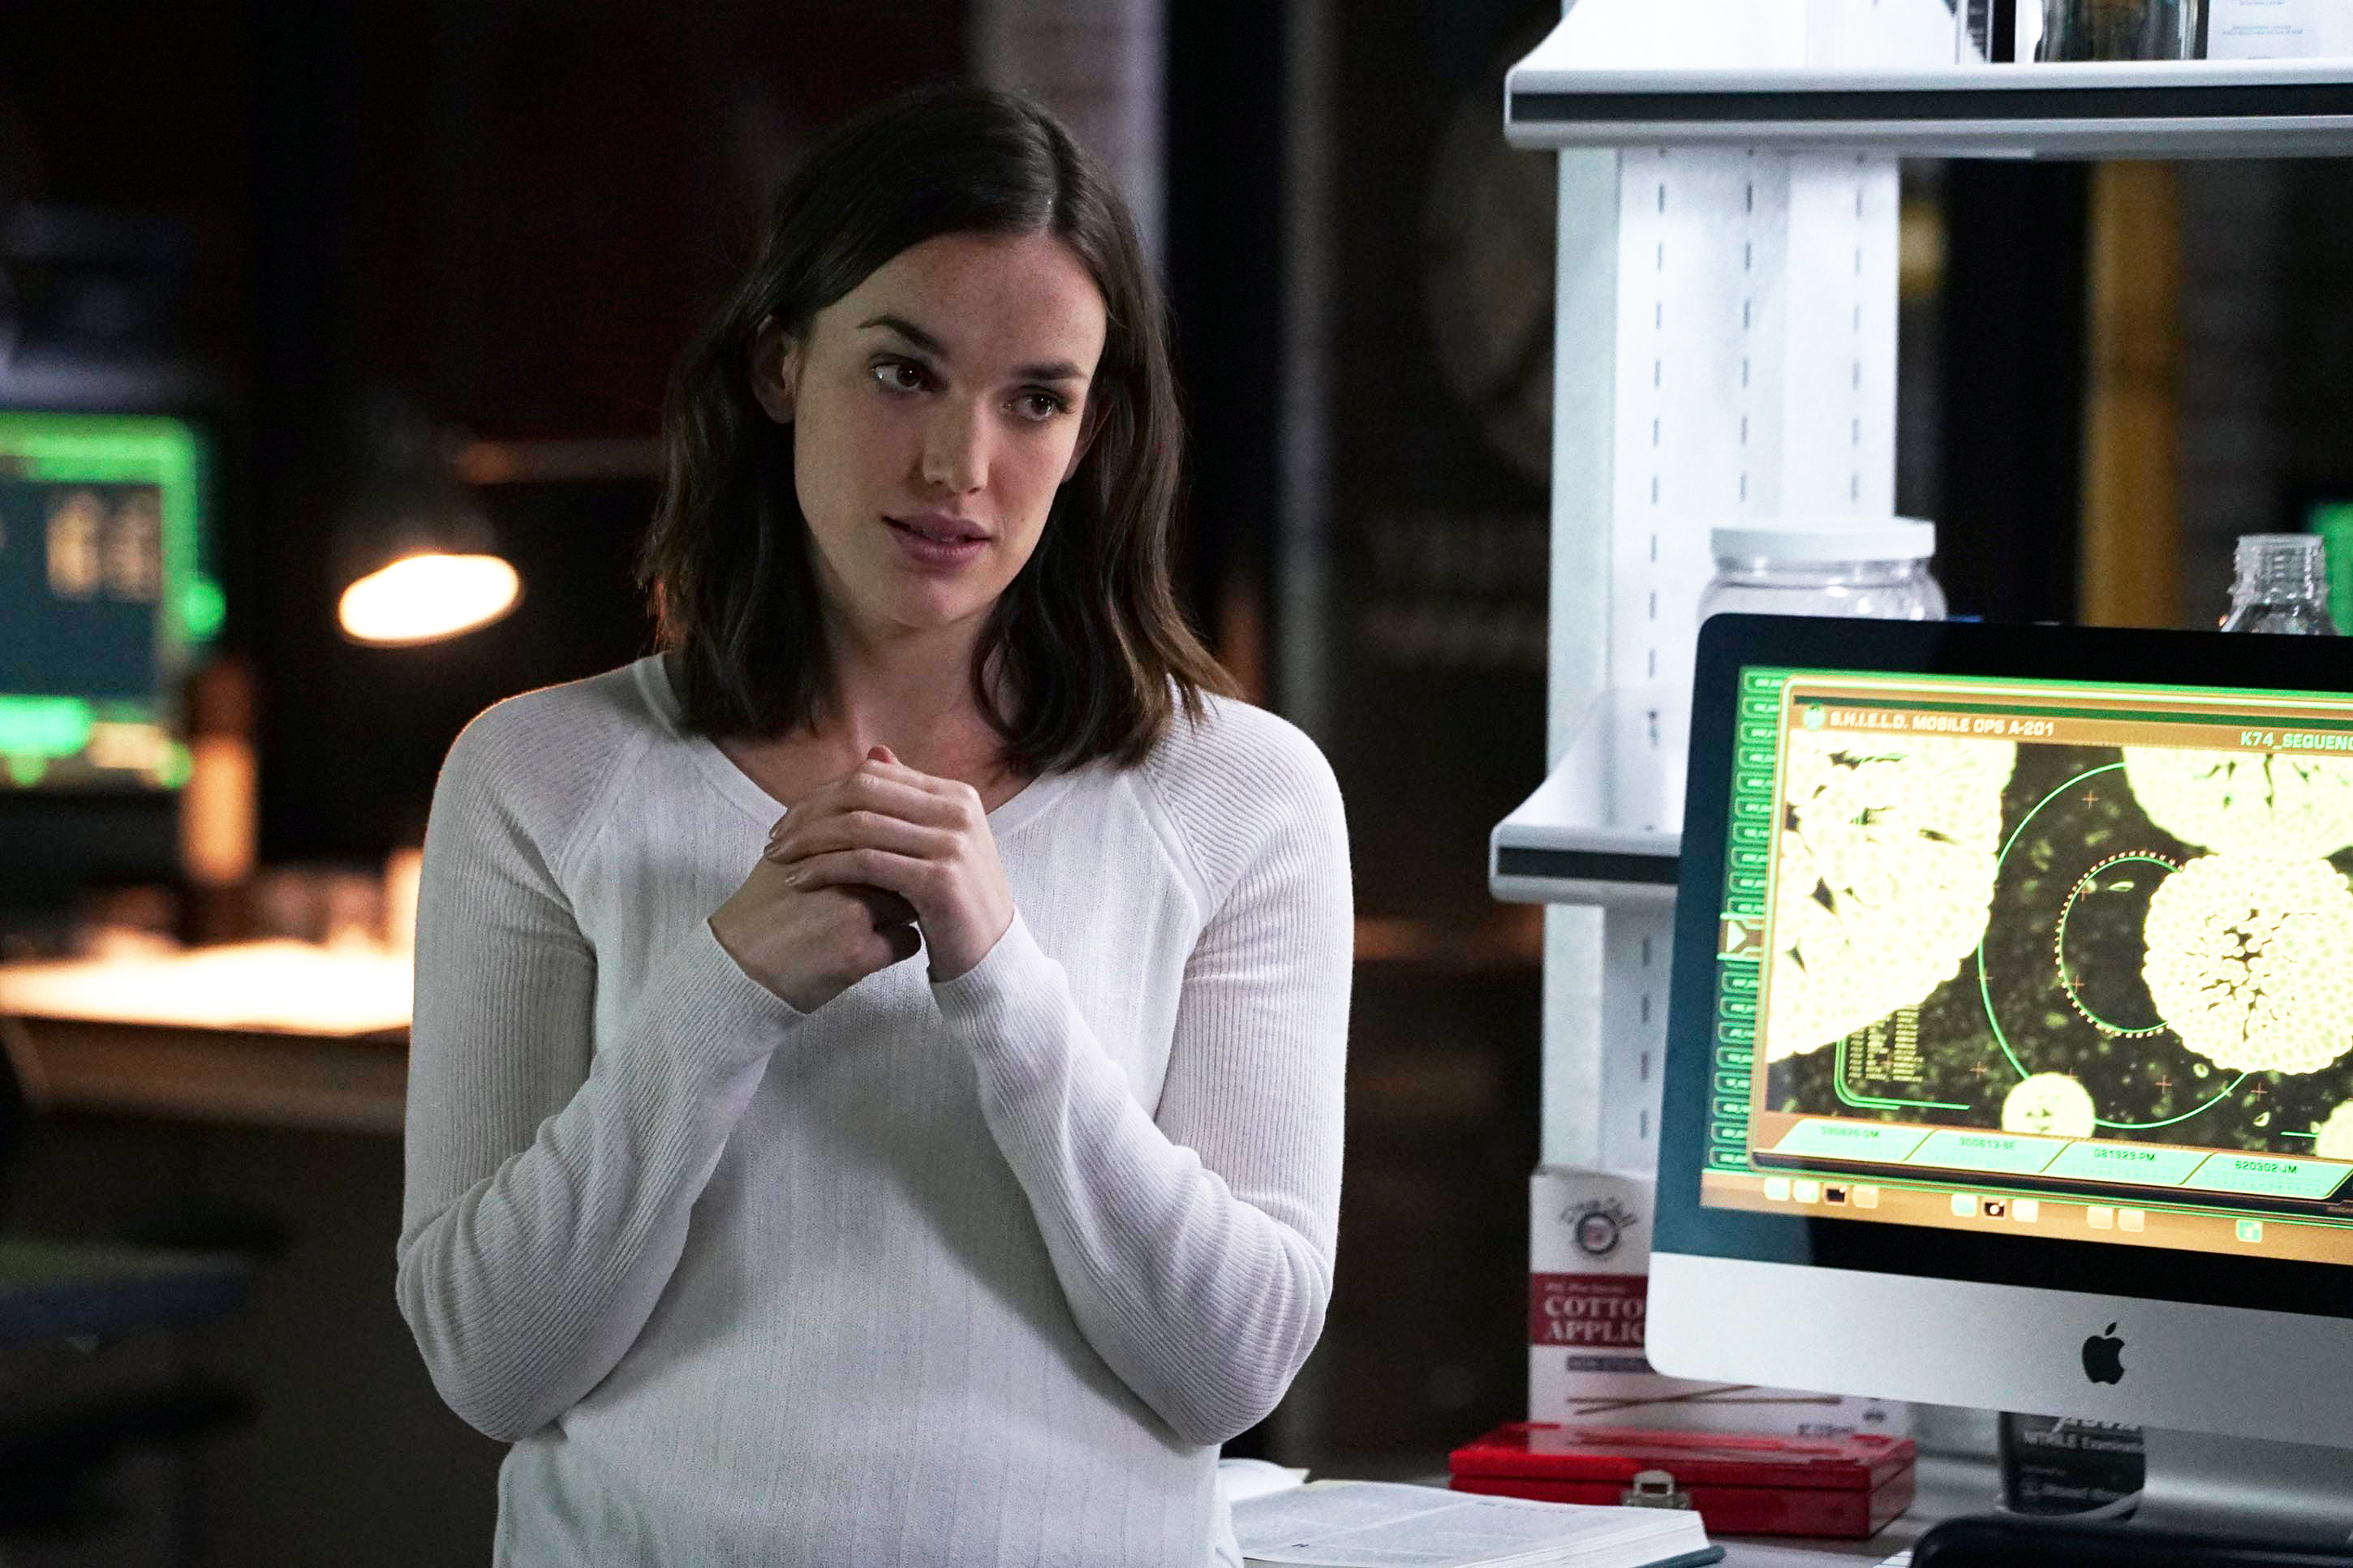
(945, 526)
(930, 552)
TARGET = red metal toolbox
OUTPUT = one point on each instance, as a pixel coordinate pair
(1740, 1485)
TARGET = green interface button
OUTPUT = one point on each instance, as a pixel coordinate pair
(1817, 1140)
(2268, 1175)
(2007, 1153)
(2127, 1163)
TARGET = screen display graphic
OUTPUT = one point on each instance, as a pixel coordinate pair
(106, 596)
(2071, 959)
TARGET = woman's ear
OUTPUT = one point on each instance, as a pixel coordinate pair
(775, 369)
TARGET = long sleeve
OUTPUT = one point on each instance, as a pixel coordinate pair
(1194, 1243)
(547, 1194)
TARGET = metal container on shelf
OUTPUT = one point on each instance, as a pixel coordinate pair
(1834, 566)
(2121, 30)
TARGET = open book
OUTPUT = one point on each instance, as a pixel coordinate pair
(1377, 1524)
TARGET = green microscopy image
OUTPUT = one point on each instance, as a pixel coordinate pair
(2163, 952)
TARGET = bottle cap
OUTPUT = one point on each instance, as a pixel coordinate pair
(2279, 548)
(1827, 539)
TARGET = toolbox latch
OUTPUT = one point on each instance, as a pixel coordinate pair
(1655, 1488)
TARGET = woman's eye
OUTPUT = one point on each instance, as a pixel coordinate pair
(1040, 405)
(898, 375)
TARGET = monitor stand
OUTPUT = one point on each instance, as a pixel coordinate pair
(2198, 1483)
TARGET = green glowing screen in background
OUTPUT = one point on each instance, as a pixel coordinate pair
(79, 663)
(2334, 522)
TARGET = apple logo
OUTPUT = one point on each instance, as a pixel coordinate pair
(2103, 1357)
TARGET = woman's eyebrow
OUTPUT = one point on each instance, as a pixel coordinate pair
(1055, 370)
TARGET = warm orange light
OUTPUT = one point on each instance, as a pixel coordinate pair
(428, 596)
(299, 987)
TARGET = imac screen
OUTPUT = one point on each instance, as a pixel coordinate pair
(2071, 960)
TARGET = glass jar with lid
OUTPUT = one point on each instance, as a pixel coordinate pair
(1832, 566)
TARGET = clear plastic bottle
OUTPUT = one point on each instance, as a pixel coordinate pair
(2283, 587)
(1833, 567)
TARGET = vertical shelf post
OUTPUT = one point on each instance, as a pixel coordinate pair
(1725, 321)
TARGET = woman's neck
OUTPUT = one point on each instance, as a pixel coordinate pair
(912, 694)
(922, 709)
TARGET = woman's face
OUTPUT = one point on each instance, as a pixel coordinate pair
(944, 397)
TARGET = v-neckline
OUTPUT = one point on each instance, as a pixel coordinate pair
(757, 803)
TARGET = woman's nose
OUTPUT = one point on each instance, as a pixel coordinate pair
(954, 448)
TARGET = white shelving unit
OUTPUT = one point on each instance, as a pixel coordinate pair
(1726, 351)
(1592, 833)
(2231, 109)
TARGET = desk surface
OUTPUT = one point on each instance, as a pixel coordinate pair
(249, 1078)
(281, 1034)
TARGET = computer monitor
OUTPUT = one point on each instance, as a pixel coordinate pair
(108, 595)
(2010, 1036)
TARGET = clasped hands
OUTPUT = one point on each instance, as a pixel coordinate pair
(885, 825)
(851, 875)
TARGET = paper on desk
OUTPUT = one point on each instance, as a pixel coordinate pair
(1241, 1478)
(1374, 1524)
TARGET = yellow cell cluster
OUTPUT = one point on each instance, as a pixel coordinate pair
(2246, 802)
(1884, 877)
(2335, 1134)
(2250, 960)
(2049, 1104)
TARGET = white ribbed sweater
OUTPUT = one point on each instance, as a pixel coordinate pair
(972, 1273)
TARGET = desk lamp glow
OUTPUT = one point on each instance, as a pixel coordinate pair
(416, 555)
(423, 597)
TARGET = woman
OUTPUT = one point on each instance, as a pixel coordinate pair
(761, 1242)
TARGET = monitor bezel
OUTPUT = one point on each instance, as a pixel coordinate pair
(1729, 642)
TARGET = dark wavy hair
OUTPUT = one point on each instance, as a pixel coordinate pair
(1096, 653)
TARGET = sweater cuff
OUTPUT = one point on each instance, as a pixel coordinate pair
(707, 1013)
(1010, 1004)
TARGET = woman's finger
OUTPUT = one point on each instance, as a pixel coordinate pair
(860, 830)
(897, 874)
(898, 797)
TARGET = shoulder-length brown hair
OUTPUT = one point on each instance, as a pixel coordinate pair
(1095, 653)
